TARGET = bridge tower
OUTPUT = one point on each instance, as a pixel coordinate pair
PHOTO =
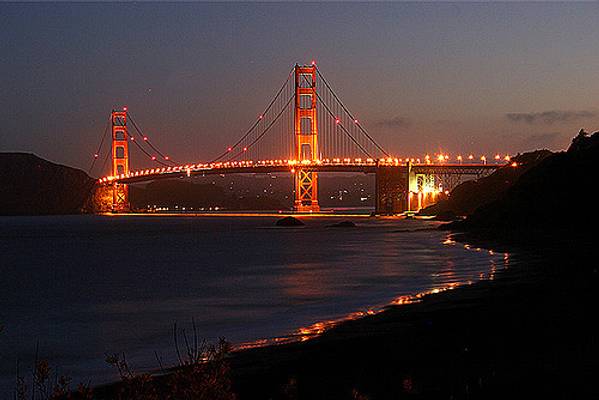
(306, 138)
(120, 160)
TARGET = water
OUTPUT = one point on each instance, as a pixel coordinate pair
(84, 286)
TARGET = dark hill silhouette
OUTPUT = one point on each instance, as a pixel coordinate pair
(557, 193)
(470, 195)
(30, 185)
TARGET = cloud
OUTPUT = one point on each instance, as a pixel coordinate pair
(550, 117)
(394, 123)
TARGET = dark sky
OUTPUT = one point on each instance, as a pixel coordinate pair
(421, 77)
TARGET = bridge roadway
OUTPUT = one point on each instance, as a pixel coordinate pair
(285, 166)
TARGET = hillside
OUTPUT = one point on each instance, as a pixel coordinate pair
(558, 192)
(470, 195)
(30, 185)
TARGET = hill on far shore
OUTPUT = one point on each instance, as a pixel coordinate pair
(30, 185)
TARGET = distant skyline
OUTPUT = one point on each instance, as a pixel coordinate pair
(422, 77)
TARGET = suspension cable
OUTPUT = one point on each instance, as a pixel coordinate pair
(229, 149)
(337, 119)
(350, 114)
(97, 153)
(150, 156)
(341, 125)
(265, 130)
(145, 139)
(105, 161)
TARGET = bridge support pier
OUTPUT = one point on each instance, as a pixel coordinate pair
(392, 190)
(306, 138)
(306, 195)
(120, 160)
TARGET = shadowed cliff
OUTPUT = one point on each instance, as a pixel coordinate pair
(30, 185)
(556, 193)
(470, 195)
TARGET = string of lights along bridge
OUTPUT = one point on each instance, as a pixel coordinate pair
(304, 130)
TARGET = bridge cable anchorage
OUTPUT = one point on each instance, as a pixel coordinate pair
(255, 124)
(338, 123)
(349, 113)
(252, 143)
(145, 139)
(97, 153)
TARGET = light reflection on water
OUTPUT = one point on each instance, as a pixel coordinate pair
(84, 286)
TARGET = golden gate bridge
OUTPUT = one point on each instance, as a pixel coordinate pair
(305, 130)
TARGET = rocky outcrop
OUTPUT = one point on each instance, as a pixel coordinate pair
(289, 221)
(30, 185)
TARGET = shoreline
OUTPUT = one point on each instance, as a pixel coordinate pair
(493, 338)
(477, 324)
(425, 326)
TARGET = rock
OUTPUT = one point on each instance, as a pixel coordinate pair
(446, 216)
(289, 221)
(342, 224)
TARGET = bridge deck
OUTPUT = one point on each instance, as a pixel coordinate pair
(269, 168)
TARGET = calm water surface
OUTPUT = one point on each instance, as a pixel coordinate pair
(84, 286)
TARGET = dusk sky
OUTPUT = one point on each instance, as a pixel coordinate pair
(480, 78)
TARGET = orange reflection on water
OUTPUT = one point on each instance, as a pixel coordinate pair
(309, 332)
(493, 270)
